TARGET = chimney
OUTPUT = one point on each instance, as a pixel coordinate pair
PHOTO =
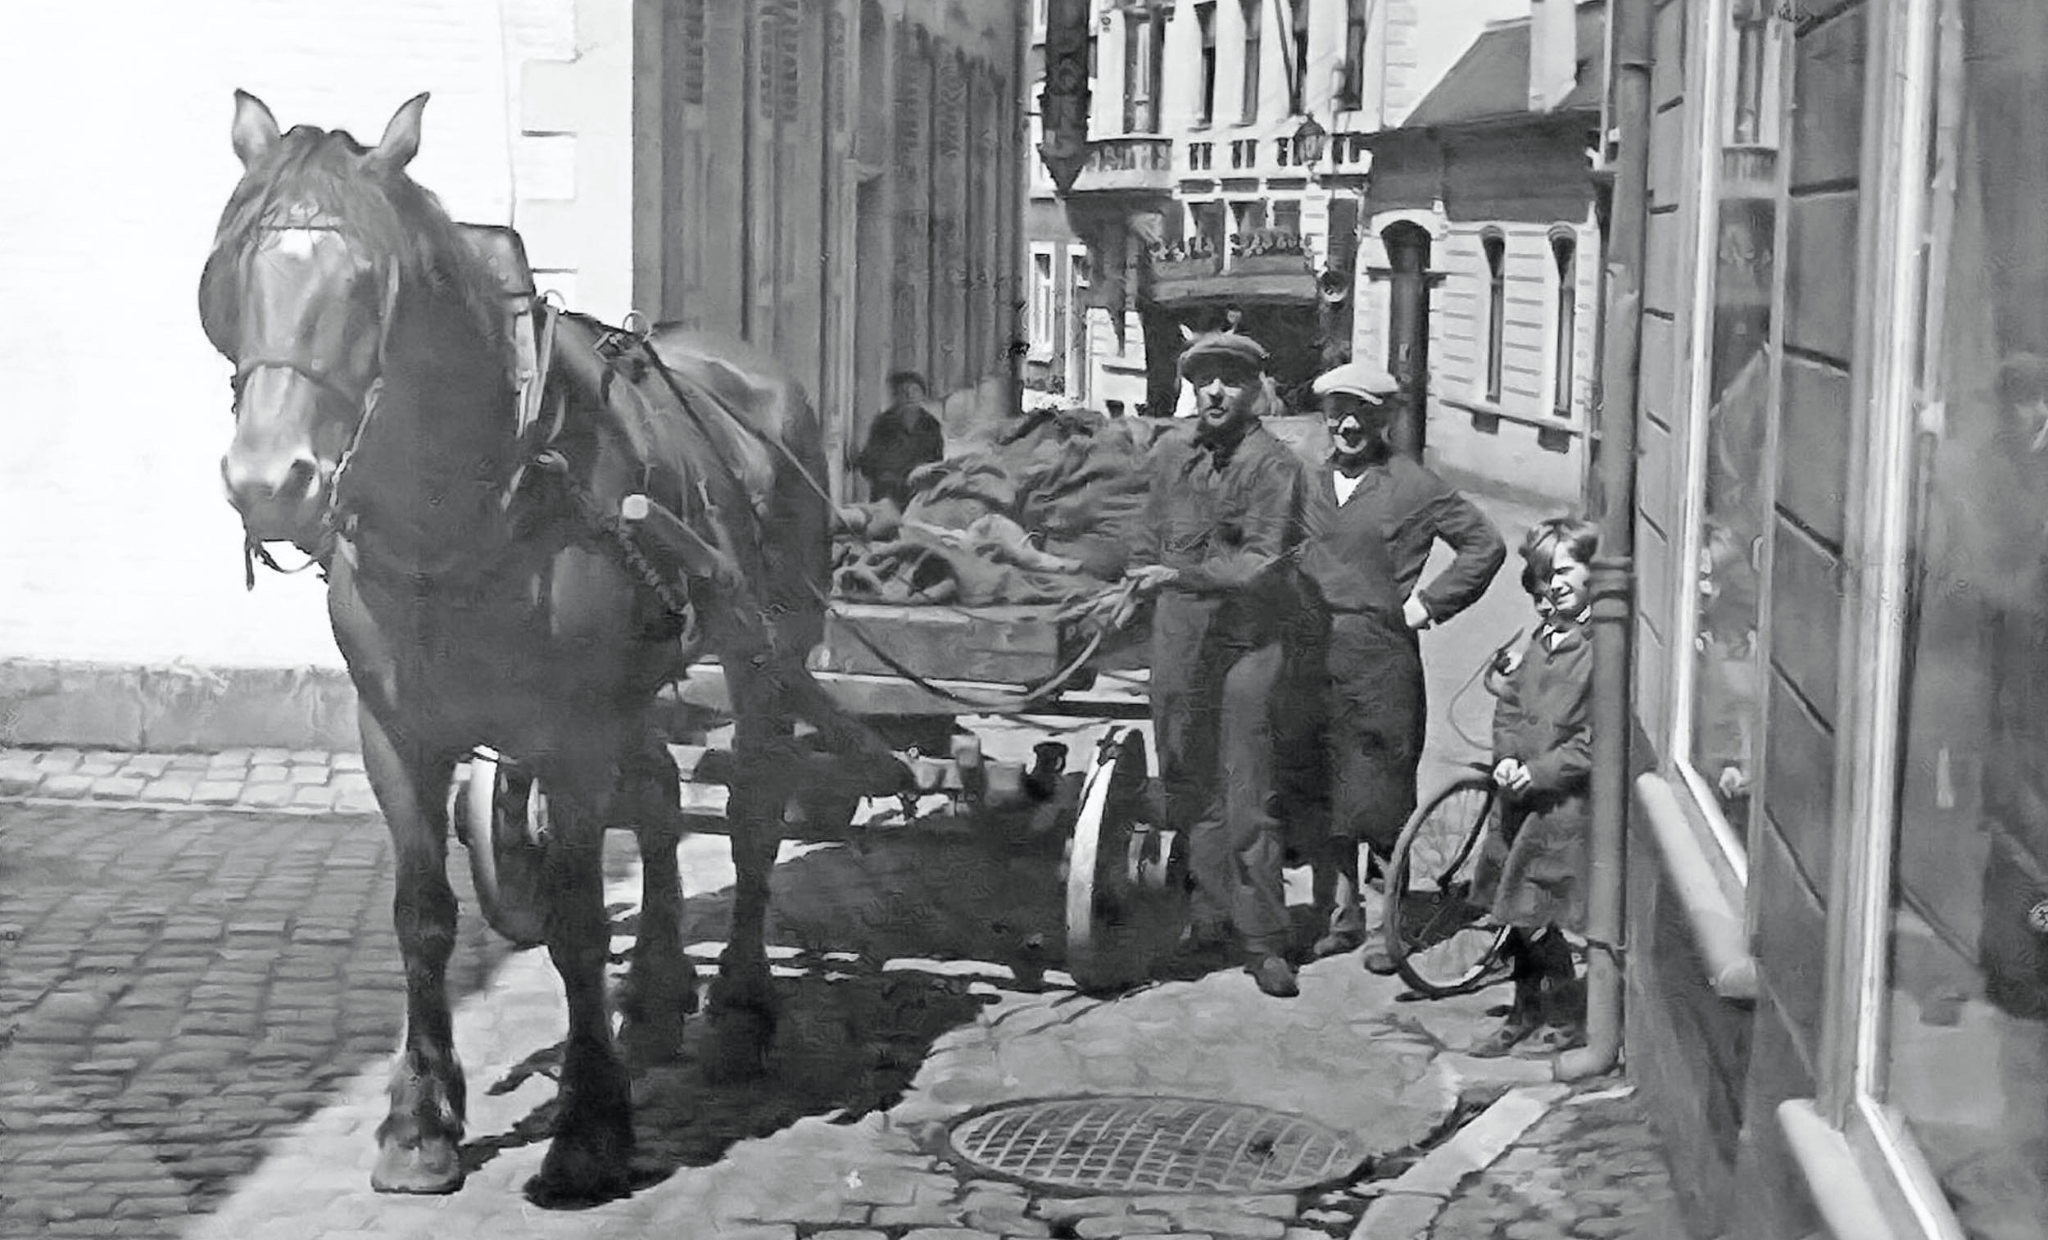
(1553, 52)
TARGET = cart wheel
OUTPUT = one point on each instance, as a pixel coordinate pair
(1436, 935)
(1126, 881)
(501, 815)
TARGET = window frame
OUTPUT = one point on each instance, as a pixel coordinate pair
(1205, 29)
(1564, 326)
(1254, 13)
(1713, 77)
(1044, 301)
(1351, 96)
(1080, 277)
(1298, 51)
(1908, 63)
(1493, 253)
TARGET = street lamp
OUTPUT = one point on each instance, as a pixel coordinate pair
(1309, 141)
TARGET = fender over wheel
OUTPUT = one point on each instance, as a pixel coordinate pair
(501, 815)
(1126, 878)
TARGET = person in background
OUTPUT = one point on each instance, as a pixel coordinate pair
(1224, 522)
(1531, 869)
(1374, 502)
(904, 437)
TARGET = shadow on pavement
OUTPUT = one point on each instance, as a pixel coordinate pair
(881, 946)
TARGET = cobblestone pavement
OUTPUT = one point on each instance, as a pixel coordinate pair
(200, 1007)
(1591, 1167)
(302, 781)
(175, 990)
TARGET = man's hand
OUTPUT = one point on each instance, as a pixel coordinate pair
(1152, 576)
(1511, 774)
(1415, 613)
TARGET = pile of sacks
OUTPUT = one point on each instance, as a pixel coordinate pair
(1046, 515)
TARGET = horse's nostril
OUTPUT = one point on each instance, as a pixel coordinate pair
(298, 480)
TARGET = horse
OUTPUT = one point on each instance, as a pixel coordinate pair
(480, 596)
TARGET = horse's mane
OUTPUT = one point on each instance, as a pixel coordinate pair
(385, 211)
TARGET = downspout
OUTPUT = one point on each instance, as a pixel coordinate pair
(1020, 198)
(1613, 618)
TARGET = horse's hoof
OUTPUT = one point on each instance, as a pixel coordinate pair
(741, 1039)
(585, 1167)
(652, 1040)
(430, 1165)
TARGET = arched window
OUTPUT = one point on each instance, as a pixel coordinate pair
(1564, 253)
(1495, 246)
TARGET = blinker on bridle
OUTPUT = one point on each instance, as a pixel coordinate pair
(315, 370)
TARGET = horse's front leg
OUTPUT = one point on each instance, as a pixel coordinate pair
(418, 1141)
(661, 988)
(593, 1140)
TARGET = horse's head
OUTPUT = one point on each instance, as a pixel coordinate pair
(298, 302)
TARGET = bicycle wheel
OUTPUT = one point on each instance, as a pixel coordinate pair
(1435, 934)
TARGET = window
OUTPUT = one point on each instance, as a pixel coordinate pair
(1078, 360)
(1495, 247)
(1564, 253)
(1205, 17)
(1041, 301)
(1962, 1023)
(1287, 217)
(1041, 178)
(1297, 80)
(1141, 84)
(1352, 96)
(1254, 17)
(1721, 703)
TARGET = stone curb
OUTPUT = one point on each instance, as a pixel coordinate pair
(1410, 1203)
(277, 781)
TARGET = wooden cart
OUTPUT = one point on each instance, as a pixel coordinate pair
(919, 675)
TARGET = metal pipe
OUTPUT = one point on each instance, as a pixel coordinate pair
(1613, 618)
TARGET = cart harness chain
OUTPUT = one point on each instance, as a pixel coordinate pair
(1041, 691)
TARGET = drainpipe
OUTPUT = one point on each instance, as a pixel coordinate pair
(1613, 619)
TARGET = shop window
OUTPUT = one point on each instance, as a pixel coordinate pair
(1720, 706)
(1964, 1022)
(1495, 246)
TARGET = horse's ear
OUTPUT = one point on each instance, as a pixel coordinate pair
(255, 129)
(401, 140)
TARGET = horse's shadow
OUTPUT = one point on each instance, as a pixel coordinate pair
(852, 1033)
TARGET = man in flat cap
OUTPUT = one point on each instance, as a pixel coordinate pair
(1374, 516)
(1224, 525)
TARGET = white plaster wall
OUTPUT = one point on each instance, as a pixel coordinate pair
(115, 542)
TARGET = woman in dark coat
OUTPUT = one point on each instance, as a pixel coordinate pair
(1532, 865)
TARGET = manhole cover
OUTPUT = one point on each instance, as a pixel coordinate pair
(1153, 1145)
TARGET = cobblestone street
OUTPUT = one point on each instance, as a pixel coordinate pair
(200, 1005)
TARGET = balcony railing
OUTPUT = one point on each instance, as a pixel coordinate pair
(1139, 162)
(1261, 252)
(1749, 173)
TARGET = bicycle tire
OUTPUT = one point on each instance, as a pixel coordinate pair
(1432, 931)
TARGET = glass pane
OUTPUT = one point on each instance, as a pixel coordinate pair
(1725, 711)
(1967, 1054)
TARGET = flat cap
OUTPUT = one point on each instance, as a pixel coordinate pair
(1224, 347)
(1356, 379)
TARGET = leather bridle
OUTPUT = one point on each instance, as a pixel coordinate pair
(318, 371)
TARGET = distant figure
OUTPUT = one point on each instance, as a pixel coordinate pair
(905, 437)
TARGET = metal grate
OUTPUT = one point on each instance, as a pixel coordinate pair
(1153, 1145)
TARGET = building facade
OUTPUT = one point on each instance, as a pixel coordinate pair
(839, 181)
(1838, 915)
(1481, 253)
(1225, 176)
